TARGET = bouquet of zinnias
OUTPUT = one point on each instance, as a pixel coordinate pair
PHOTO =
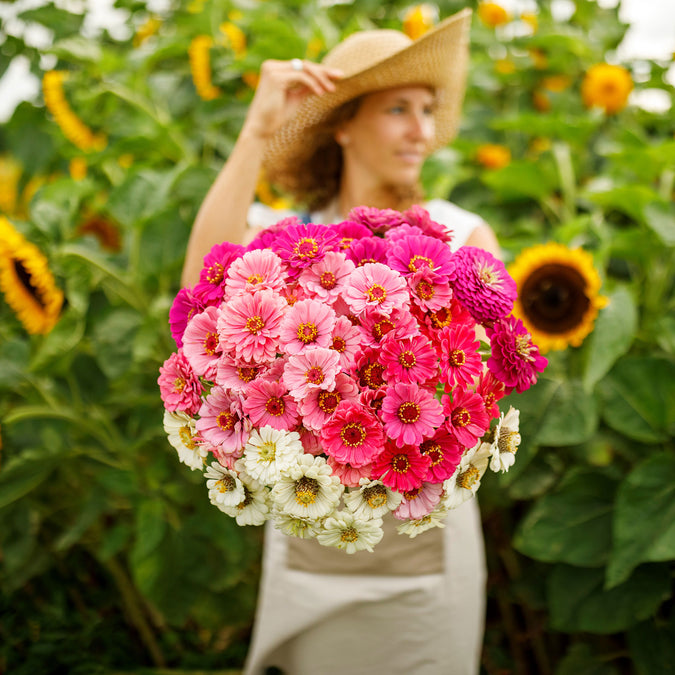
(333, 375)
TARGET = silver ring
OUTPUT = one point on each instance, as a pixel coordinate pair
(297, 65)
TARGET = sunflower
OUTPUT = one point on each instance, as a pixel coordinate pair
(492, 14)
(606, 86)
(418, 19)
(27, 282)
(558, 296)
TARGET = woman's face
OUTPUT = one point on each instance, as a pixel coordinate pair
(389, 138)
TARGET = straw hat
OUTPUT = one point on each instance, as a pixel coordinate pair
(382, 59)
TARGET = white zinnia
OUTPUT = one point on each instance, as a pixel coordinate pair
(308, 489)
(269, 451)
(253, 509)
(225, 488)
(292, 526)
(506, 441)
(343, 530)
(372, 500)
(180, 429)
(414, 527)
(464, 483)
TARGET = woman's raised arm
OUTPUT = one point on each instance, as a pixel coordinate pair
(222, 215)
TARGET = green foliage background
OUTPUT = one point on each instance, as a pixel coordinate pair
(113, 560)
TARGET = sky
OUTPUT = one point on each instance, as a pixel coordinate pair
(651, 36)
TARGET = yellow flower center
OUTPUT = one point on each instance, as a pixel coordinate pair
(306, 491)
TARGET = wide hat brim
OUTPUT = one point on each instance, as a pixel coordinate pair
(377, 60)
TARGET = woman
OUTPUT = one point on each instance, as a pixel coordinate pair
(355, 131)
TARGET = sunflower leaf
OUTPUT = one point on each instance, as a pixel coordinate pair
(644, 523)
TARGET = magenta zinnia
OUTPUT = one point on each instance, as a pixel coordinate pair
(304, 244)
(460, 361)
(409, 360)
(419, 252)
(400, 469)
(482, 284)
(211, 286)
(467, 420)
(515, 358)
(444, 453)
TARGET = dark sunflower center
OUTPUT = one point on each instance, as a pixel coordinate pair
(25, 278)
(554, 298)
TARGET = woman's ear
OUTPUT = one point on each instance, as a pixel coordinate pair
(342, 137)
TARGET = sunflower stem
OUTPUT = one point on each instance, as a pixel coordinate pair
(563, 159)
(666, 184)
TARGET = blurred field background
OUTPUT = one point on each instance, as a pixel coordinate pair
(112, 560)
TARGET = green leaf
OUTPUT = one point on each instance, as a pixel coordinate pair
(660, 217)
(113, 341)
(62, 340)
(76, 48)
(580, 660)
(61, 22)
(522, 179)
(87, 515)
(644, 523)
(573, 523)
(611, 338)
(635, 396)
(150, 528)
(578, 602)
(24, 475)
(652, 646)
(14, 357)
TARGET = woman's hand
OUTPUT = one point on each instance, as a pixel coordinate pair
(282, 87)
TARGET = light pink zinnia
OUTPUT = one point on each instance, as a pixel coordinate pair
(349, 474)
(467, 420)
(376, 325)
(256, 270)
(314, 368)
(353, 435)
(445, 453)
(409, 360)
(269, 403)
(236, 375)
(222, 422)
(308, 323)
(410, 413)
(515, 358)
(376, 285)
(249, 325)
(400, 469)
(419, 502)
(482, 284)
(460, 361)
(179, 387)
(427, 292)
(320, 404)
(201, 343)
(346, 341)
(326, 279)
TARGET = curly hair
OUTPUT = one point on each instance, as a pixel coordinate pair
(312, 176)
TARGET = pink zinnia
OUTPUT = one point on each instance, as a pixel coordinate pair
(467, 420)
(482, 284)
(179, 387)
(515, 358)
(409, 360)
(269, 403)
(254, 271)
(184, 307)
(222, 421)
(375, 285)
(211, 286)
(433, 322)
(367, 250)
(400, 469)
(419, 502)
(419, 217)
(400, 232)
(348, 231)
(311, 442)
(444, 452)
(320, 404)
(308, 323)
(314, 368)
(353, 435)
(410, 413)
(201, 343)
(377, 325)
(236, 375)
(301, 245)
(491, 390)
(346, 341)
(249, 325)
(349, 474)
(378, 220)
(369, 369)
(266, 237)
(326, 279)
(460, 361)
(427, 292)
(416, 252)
